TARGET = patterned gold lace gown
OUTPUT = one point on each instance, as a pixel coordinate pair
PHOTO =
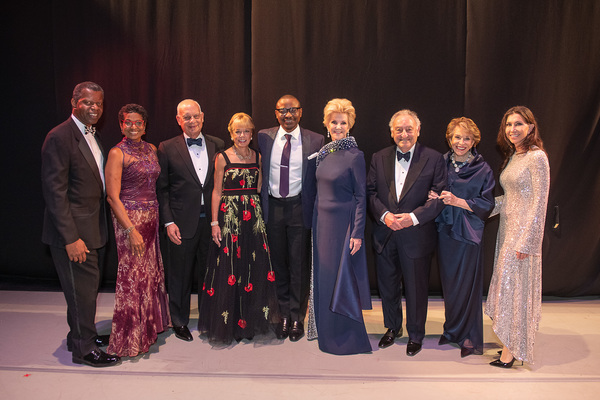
(514, 299)
(141, 307)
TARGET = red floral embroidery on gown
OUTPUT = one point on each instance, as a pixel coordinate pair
(239, 298)
(141, 306)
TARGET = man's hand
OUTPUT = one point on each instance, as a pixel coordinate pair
(404, 220)
(173, 234)
(392, 222)
(77, 251)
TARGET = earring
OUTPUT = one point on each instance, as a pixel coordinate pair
(328, 134)
(347, 133)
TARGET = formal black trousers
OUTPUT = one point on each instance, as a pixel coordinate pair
(80, 283)
(186, 261)
(394, 268)
(289, 242)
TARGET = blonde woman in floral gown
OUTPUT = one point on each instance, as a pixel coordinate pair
(514, 300)
(239, 299)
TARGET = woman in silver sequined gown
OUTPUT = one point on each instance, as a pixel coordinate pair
(515, 294)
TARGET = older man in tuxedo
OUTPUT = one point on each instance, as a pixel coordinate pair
(404, 236)
(75, 225)
(288, 197)
(184, 190)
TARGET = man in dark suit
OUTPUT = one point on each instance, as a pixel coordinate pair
(288, 197)
(404, 236)
(184, 190)
(75, 225)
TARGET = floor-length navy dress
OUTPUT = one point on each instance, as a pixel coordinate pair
(340, 281)
(460, 251)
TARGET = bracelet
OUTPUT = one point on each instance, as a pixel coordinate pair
(128, 230)
(214, 223)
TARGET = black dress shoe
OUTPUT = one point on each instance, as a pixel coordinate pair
(101, 341)
(183, 333)
(283, 329)
(98, 358)
(296, 331)
(388, 338)
(412, 348)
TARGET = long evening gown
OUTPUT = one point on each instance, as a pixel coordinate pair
(460, 251)
(340, 281)
(514, 301)
(239, 299)
(141, 306)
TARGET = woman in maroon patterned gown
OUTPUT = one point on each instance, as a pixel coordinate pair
(141, 306)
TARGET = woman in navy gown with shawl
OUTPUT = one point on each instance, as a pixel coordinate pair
(340, 278)
(469, 201)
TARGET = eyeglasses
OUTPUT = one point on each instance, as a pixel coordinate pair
(129, 124)
(188, 118)
(408, 129)
(291, 110)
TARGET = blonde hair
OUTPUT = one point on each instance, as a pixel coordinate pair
(343, 106)
(244, 119)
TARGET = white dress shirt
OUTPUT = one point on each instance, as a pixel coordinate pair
(295, 162)
(93, 145)
(199, 156)
(400, 172)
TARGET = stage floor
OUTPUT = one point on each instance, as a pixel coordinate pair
(34, 361)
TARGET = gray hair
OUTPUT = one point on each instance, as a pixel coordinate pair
(408, 112)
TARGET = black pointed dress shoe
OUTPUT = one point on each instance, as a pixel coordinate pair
(283, 328)
(388, 338)
(413, 348)
(183, 333)
(98, 358)
(296, 331)
(501, 364)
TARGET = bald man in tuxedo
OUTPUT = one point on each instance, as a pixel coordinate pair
(184, 190)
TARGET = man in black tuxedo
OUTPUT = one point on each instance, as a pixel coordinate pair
(288, 197)
(404, 236)
(75, 225)
(184, 190)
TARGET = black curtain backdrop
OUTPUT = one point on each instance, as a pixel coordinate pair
(443, 59)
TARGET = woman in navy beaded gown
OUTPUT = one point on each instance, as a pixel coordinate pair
(469, 201)
(239, 299)
(141, 307)
(340, 278)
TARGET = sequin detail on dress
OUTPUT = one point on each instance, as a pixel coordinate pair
(514, 300)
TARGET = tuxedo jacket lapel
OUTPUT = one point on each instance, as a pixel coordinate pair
(86, 152)
(211, 149)
(389, 171)
(187, 160)
(416, 166)
(305, 153)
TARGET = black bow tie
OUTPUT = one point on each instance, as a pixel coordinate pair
(400, 156)
(197, 142)
(90, 129)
